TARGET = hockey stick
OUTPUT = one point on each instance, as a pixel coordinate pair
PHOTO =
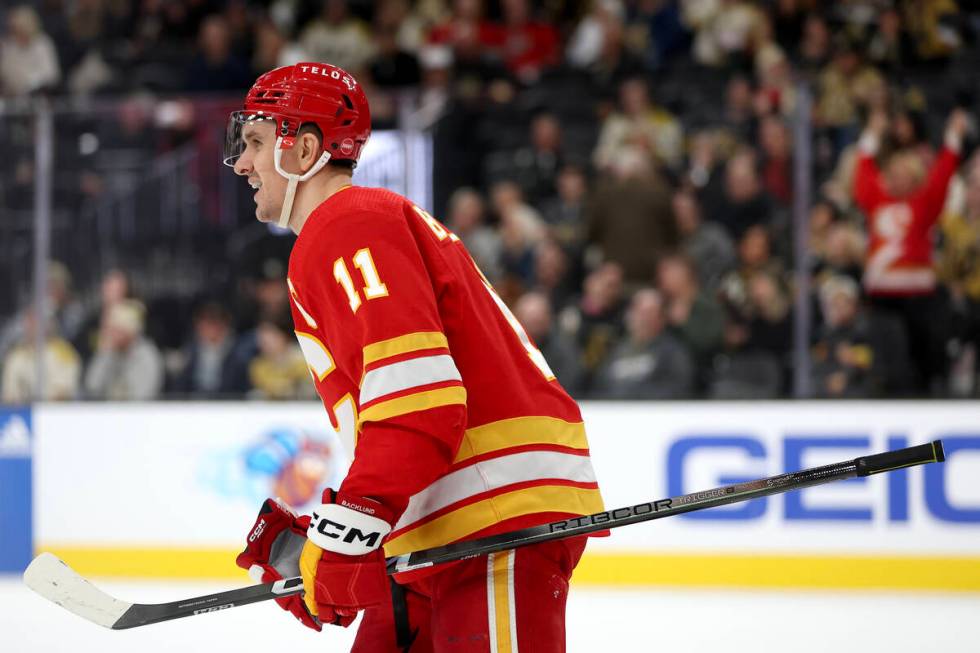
(54, 580)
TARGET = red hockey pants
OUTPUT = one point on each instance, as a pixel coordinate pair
(501, 603)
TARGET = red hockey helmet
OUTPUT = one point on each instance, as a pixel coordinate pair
(303, 93)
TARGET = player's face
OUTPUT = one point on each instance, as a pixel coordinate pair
(257, 163)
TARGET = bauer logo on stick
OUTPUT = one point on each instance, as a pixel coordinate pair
(215, 608)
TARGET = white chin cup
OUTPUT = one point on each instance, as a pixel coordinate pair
(294, 179)
(339, 529)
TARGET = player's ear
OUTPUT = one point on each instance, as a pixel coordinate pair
(307, 150)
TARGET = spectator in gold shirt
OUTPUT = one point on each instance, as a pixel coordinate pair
(62, 368)
(279, 371)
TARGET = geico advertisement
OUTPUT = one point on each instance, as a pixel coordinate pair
(648, 451)
(194, 474)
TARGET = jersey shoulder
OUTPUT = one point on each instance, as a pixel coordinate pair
(359, 202)
(355, 215)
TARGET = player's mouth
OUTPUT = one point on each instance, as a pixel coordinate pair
(256, 184)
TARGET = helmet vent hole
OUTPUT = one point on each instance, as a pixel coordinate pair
(260, 94)
(346, 122)
(350, 105)
(276, 93)
(334, 146)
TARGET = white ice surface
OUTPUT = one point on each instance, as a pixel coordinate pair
(674, 621)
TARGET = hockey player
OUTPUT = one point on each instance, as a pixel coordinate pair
(457, 426)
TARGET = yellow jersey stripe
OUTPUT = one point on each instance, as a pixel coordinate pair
(520, 431)
(471, 518)
(404, 344)
(500, 600)
(411, 403)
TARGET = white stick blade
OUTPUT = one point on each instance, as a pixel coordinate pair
(54, 580)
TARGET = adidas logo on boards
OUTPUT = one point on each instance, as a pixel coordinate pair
(15, 437)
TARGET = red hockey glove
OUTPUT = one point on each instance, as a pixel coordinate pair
(272, 553)
(342, 563)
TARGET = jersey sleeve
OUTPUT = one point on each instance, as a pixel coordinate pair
(868, 191)
(384, 320)
(935, 187)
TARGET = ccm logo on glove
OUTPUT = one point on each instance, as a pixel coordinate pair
(258, 531)
(342, 530)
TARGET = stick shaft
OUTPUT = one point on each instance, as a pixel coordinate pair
(142, 614)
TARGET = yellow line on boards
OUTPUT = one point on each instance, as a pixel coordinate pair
(636, 570)
(138, 562)
(958, 574)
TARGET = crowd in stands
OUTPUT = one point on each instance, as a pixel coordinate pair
(621, 170)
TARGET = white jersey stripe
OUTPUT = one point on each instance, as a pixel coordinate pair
(511, 558)
(407, 374)
(491, 605)
(493, 474)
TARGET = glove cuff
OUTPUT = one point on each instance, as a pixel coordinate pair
(260, 573)
(349, 525)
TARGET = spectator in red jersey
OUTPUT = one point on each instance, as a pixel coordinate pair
(777, 159)
(528, 46)
(464, 27)
(902, 204)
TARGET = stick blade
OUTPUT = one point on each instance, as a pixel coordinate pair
(50, 577)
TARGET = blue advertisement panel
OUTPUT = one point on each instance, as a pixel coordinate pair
(16, 531)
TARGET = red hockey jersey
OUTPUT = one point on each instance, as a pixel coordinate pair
(460, 426)
(899, 258)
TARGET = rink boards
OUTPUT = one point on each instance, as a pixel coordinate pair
(168, 489)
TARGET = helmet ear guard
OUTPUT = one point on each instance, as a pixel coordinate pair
(293, 179)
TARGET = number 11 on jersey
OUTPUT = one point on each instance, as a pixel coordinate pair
(373, 287)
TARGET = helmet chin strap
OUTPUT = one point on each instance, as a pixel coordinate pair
(293, 180)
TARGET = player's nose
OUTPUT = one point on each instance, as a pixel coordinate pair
(243, 166)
